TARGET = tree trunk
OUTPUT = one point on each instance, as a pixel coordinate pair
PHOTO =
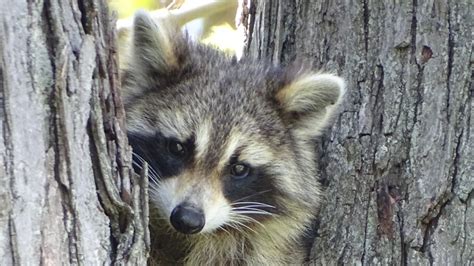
(67, 193)
(398, 161)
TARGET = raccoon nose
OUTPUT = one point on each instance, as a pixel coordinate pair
(187, 219)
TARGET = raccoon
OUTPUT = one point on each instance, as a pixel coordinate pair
(230, 148)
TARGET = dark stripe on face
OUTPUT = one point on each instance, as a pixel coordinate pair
(157, 152)
(258, 186)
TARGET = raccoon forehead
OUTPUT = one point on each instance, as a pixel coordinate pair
(251, 149)
(148, 119)
(180, 114)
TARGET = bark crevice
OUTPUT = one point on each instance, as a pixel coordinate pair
(405, 64)
(59, 75)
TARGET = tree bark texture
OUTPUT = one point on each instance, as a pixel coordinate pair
(67, 193)
(398, 162)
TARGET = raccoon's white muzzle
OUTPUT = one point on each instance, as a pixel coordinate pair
(191, 210)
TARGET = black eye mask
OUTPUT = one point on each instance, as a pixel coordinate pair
(258, 185)
(167, 156)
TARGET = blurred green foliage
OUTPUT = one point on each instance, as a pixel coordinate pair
(214, 28)
(126, 8)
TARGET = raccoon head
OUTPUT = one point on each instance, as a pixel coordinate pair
(229, 144)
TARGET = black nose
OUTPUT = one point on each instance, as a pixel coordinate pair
(187, 219)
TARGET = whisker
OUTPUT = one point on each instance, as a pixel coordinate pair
(254, 212)
(249, 209)
(254, 220)
(151, 175)
(252, 203)
(230, 224)
(243, 225)
(255, 194)
(222, 228)
(254, 206)
(155, 176)
(240, 219)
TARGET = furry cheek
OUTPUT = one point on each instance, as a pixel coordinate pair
(217, 211)
(164, 196)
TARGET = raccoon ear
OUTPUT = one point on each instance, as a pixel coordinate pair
(309, 101)
(158, 47)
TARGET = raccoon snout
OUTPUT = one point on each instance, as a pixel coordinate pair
(187, 219)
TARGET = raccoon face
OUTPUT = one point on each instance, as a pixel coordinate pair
(228, 144)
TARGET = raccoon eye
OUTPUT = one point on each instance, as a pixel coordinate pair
(176, 148)
(239, 170)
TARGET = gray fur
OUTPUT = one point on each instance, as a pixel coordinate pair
(279, 109)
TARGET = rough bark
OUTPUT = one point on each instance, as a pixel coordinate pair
(398, 161)
(67, 195)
